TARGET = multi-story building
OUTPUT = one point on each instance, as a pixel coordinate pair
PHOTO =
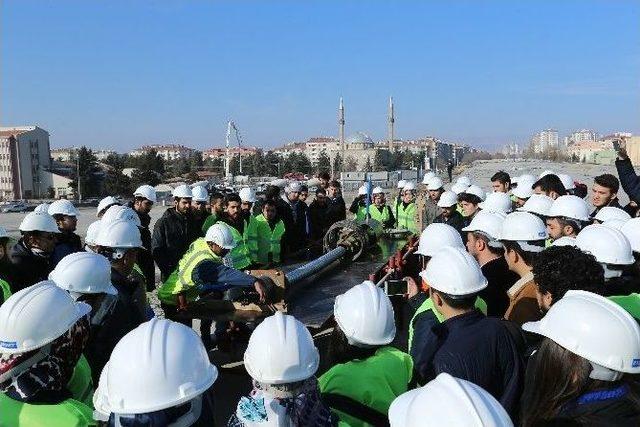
(24, 162)
(583, 135)
(220, 153)
(544, 140)
(168, 152)
(69, 154)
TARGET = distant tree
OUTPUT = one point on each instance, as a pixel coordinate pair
(351, 164)
(195, 161)
(367, 166)
(337, 164)
(87, 171)
(378, 161)
(324, 163)
(149, 167)
(116, 183)
(272, 164)
(192, 177)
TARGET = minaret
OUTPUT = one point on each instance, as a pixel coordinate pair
(391, 119)
(341, 128)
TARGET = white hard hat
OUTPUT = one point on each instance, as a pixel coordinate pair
(281, 351)
(631, 230)
(615, 223)
(220, 234)
(524, 190)
(170, 367)
(607, 244)
(402, 183)
(119, 234)
(437, 236)
(476, 191)
(454, 272)
(538, 204)
(63, 207)
(37, 315)
(409, 186)
(448, 199)
(377, 190)
(105, 203)
(92, 233)
(523, 227)
(487, 223)
(365, 314)
(567, 181)
(247, 195)
(609, 212)
(496, 202)
(362, 190)
(182, 191)
(84, 273)
(525, 177)
(42, 207)
(427, 176)
(293, 187)
(435, 183)
(463, 180)
(117, 212)
(200, 194)
(3, 232)
(449, 401)
(565, 241)
(546, 172)
(39, 221)
(594, 328)
(571, 207)
(459, 188)
(146, 191)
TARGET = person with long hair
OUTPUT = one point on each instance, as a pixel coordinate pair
(584, 369)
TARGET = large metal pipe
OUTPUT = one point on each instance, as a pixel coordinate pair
(315, 266)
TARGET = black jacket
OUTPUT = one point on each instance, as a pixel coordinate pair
(66, 243)
(336, 210)
(295, 224)
(25, 268)
(615, 203)
(478, 349)
(145, 258)
(456, 220)
(172, 235)
(499, 279)
(629, 180)
(318, 221)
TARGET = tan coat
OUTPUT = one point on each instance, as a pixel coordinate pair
(523, 304)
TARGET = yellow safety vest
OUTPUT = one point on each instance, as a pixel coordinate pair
(374, 213)
(631, 303)
(69, 413)
(406, 216)
(240, 257)
(428, 305)
(5, 291)
(374, 382)
(262, 241)
(181, 279)
(81, 385)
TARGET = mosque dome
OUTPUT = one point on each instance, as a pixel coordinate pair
(359, 138)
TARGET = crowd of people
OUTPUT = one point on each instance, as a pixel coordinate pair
(522, 308)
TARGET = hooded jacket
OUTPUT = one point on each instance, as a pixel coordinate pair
(26, 268)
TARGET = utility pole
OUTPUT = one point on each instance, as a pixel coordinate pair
(78, 175)
(391, 120)
(341, 130)
(227, 159)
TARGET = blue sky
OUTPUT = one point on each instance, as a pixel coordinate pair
(121, 74)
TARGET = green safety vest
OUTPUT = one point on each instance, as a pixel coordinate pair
(262, 241)
(631, 303)
(240, 253)
(5, 291)
(374, 382)
(428, 305)
(374, 213)
(68, 413)
(211, 219)
(406, 216)
(81, 385)
(181, 279)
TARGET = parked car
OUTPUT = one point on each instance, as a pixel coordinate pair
(19, 206)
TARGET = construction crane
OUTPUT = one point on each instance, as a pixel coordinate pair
(231, 126)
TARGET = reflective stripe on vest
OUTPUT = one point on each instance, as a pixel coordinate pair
(262, 241)
(374, 382)
(631, 303)
(406, 217)
(428, 305)
(68, 413)
(6, 291)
